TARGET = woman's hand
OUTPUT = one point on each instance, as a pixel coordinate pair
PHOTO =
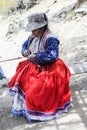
(31, 57)
(26, 53)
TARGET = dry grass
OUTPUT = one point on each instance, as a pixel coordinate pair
(6, 4)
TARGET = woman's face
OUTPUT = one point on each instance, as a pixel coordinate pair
(37, 32)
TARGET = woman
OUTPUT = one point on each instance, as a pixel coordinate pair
(40, 86)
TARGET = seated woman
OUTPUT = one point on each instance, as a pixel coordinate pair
(40, 86)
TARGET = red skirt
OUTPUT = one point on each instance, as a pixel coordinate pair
(41, 89)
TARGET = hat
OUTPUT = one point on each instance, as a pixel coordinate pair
(35, 21)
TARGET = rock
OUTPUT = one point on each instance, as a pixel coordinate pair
(81, 10)
(78, 82)
(80, 2)
(19, 4)
(28, 3)
(78, 68)
(15, 24)
(62, 11)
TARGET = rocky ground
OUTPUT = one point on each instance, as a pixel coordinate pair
(70, 24)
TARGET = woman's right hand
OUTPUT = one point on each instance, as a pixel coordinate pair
(26, 53)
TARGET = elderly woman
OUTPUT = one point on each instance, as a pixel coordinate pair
(40, 86)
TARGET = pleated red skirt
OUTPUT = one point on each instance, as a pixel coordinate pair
(43, 89)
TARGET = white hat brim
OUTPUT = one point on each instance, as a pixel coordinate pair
(34, 26)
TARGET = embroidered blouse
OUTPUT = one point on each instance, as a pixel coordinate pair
(46, 56)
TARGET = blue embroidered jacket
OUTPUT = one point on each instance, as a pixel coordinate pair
(50, 53)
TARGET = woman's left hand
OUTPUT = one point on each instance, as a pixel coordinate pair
(31, 57)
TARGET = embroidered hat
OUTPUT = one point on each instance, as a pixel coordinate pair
(35, 21)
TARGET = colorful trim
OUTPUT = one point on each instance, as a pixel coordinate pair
(31, 115)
